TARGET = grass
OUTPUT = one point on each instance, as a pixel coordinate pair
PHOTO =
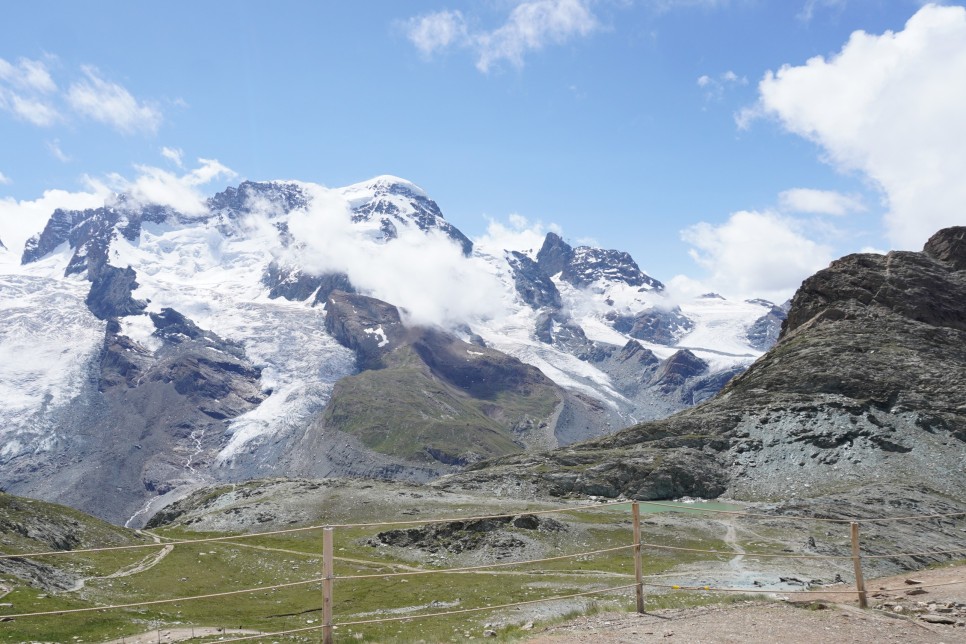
(426, 415)
(197, 569)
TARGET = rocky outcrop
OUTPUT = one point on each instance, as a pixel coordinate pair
(589, 265)
(557, 329)
(56, 232)
(678, 369)
(111, 293)
(949, 248)
(532, 283)
(296, 285)
(235, 202)
(655, 325)
(863, 389)
(584, 265)
(764, 333)
(370, 327)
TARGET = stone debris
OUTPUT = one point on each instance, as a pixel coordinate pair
(948, 613)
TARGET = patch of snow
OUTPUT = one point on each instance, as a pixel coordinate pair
(45, 359)
(378, 333)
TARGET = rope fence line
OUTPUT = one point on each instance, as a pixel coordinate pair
(763, 555)
(908, 588)
(483, 567)
(732, 553)
(915, 554)
(505, 564)
(174, 542)
(759, 591)
(749, 591)
(174, 600)
(413, 573)
(252, 535)
(329, 576)
(403, 618)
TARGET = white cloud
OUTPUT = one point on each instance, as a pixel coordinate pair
(819, 202)
(31, 75)
(808, 9)
(668, 5)
(157, 186)
(758, 254)
(29, 92)
(424, 273)
(111, 104)
(890, 106)
(682, 288)
(174, 155)
(518, 233)
(33, 110)
(20, 220)
(715, 88)
(55, 150)
(531, 26)
(5, 180)
(436, 31)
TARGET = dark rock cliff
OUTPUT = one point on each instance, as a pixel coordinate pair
(864, 388)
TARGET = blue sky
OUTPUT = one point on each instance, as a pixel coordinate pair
(694, 134)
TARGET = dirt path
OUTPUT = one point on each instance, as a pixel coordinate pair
(145, 564)
(808, 619)
(731, 539)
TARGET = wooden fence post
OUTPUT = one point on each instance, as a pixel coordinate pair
(638, 564)
(327, 585)
(857, 564)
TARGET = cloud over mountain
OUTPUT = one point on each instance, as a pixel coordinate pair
(889, 106)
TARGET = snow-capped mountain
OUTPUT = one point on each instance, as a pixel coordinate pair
(144, 350)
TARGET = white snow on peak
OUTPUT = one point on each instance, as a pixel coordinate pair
(379, 184)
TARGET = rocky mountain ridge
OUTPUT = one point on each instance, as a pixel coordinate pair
(149, 350)
(859, 399)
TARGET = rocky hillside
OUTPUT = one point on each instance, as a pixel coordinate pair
(860, 401)
(27, 525)
(425, 399)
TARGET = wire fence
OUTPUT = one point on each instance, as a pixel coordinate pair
(640, 581)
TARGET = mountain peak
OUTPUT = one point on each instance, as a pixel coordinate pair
(387, 184)
(949, 246)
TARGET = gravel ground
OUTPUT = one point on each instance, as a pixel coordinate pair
(803, 619)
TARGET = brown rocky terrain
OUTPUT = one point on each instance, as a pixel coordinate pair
(936, 613)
